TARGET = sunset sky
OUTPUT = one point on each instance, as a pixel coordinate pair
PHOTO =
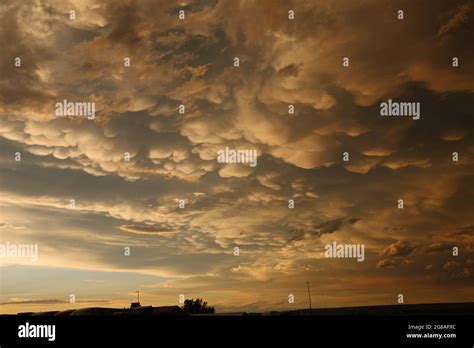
(173, 157)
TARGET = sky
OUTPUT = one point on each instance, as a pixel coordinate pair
(127, 230)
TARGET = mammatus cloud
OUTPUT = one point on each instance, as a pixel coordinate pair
(144, 172)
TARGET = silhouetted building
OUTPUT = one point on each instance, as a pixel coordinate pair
(135, 305)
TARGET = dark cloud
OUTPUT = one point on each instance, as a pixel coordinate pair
(173, 156)
(48, 302)
(326, 227)
(26, 302)
(332, 225)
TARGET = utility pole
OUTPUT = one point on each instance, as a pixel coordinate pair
(309, 296)
(136, 304)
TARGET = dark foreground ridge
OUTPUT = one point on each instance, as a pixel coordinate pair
(465, 308)
(429, 325)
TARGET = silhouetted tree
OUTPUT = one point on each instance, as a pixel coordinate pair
(197, 306)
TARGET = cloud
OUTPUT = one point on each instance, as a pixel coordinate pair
(268, 180)
(47, 302)
(323, 228)
(455, 270)
(396, 254)
(333, 225)
(172, 155)
(459, 16)
(399, 248)
(235, 170)
(467, 231)
(438, 247)
(147, 230)
(28, 302)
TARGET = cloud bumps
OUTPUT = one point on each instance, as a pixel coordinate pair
(172, 155)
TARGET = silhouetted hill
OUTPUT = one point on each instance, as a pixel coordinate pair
(466, 308)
